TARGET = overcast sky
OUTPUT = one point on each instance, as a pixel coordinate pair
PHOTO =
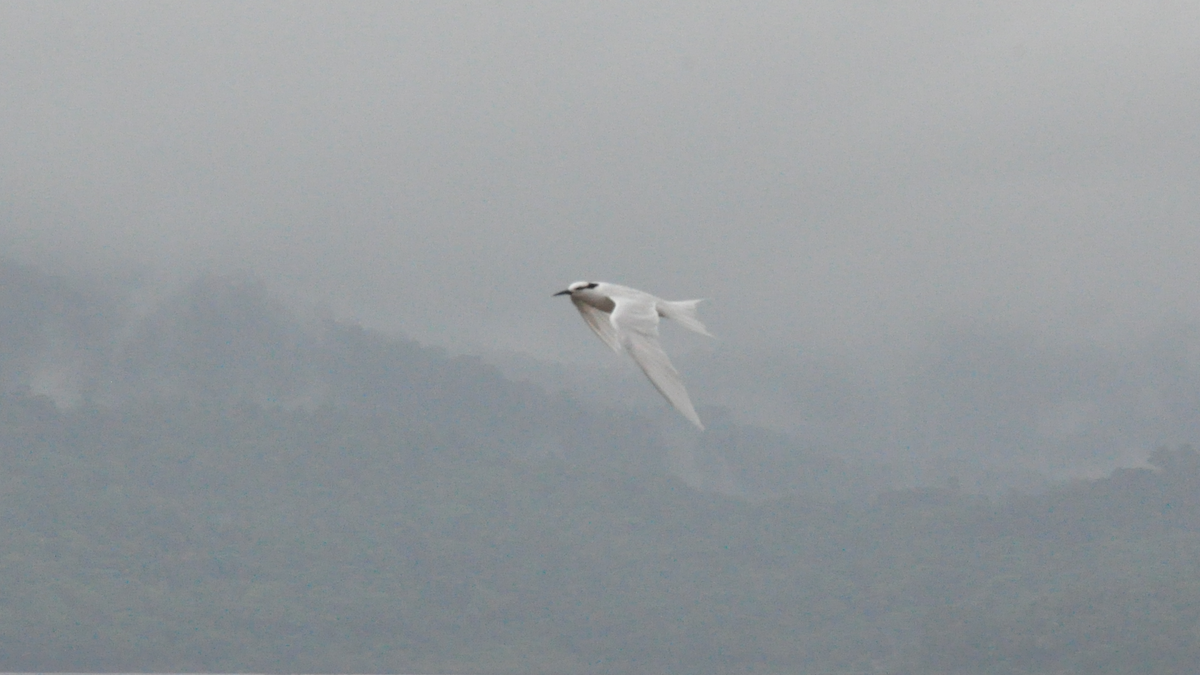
(829, 173)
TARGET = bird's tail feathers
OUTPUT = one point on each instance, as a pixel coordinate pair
(683, 312)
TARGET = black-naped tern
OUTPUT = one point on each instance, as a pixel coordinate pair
(627, 319)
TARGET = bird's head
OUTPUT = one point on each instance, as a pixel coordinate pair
(576, 287)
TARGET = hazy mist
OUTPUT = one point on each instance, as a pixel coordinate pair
(828, 173)
(884, 202)
(283, 387)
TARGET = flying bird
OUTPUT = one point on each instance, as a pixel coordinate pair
(627, 319)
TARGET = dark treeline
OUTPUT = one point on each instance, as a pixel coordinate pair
(230, 491)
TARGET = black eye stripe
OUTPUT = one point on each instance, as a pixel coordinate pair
(592, 285)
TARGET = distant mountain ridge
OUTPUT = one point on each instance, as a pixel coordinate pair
(229, 489)
(228, 340)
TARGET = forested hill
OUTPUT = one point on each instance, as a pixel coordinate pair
(225, 341)
(217, 488)
(180, 537)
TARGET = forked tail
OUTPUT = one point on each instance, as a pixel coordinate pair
(683, 312)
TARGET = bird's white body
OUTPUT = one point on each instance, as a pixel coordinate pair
(626, 319)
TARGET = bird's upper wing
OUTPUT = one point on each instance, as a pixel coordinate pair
(599, 322)
(635, 321)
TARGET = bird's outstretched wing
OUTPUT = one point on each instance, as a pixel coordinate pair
(599, 322)
(635, 323)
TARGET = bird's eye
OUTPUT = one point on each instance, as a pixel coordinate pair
(592, 285)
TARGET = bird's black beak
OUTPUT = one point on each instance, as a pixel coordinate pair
(561, 293)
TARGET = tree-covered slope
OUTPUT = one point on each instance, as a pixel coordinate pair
(180, 537)
(235, 492)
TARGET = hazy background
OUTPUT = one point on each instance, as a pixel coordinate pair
(930, 232)
(283, 387)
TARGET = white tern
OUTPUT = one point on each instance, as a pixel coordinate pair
(627, 319)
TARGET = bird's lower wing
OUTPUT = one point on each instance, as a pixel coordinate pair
(637, 327)
(600, 324)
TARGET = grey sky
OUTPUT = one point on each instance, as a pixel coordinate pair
(829, 173)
